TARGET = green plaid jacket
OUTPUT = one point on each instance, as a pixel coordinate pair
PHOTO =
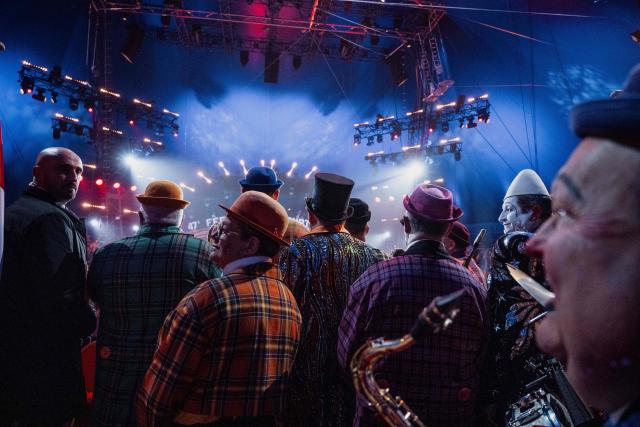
(136, 282)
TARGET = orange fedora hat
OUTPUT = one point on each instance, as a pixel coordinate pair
(261, 213)
(163, 193)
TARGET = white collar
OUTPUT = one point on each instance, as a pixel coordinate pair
(244, 262)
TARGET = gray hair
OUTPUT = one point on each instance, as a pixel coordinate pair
(161, 215)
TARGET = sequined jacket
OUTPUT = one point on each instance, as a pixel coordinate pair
(319, 268)
(512, 341)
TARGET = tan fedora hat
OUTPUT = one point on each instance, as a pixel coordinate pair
(163, 193)
(261, 213)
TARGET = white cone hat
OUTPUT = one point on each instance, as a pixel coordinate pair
(527, 182)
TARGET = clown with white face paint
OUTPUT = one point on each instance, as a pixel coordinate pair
(523, 207)
(512, 346)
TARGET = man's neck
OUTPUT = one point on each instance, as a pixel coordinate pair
(413, 238)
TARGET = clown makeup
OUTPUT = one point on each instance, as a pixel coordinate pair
(512, 218)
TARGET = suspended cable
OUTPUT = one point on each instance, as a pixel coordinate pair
(475, 9)
(496, 151)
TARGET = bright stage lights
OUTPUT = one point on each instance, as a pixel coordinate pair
(133, 188)
(94, 222)
(99, 182)
(116, 185)
(183, 185)
(26, 85)
(88, 205)
(244, 168)
(221, 165)
(308, 174)
(135, 227)
(272, 163)
(130, 160)
(294, 165)
(39, 95)
(414, 170)
(262, 162)
(203, 176)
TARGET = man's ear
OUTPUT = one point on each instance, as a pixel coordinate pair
(141, 216)
(312, 218)
(253, 245)
(276, 194)
(407, 226)
(366, 229)
(536, 212)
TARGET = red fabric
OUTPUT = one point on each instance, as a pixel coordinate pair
(89, 368)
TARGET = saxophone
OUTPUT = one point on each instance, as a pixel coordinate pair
(434, 318)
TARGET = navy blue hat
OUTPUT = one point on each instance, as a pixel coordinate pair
(261, 178)
(616, 118)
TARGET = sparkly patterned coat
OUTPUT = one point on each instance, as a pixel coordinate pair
(319, 268)
(511, 341)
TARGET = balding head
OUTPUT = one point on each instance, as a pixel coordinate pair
(57, 171)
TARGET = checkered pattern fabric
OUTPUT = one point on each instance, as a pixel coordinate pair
(438, 377)
(226, 350)
(136, 282)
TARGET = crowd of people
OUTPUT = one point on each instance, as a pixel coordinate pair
(259, 325)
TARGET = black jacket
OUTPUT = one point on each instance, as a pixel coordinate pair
(43, 311)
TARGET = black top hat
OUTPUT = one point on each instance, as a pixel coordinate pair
(361, 212)
(616, 118)
(261, 178)
(330, 200)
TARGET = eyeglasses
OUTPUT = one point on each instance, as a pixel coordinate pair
(215, 235)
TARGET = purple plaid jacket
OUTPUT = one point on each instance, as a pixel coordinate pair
(437, 377)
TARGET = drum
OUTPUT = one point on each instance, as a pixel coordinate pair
(538, 409)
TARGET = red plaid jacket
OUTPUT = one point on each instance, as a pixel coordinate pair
(438, 377)
(226, 350)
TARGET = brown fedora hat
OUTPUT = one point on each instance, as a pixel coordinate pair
(163, 193)
(262, 213)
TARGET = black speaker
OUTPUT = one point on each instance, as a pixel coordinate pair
(133, 43)
(397, 67)
(271, 66)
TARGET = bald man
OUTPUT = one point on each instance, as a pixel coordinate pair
(43, 311)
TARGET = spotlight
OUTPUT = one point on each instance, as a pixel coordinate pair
(244, 57)
(294, 165)
(99, 182)
(90, 104)
(39, 95)
(457, 155)
(445, 126)
(379, 139)
(73, 104)
(174, 130)
(133, 188)
(56, 133)
(165, 20)
(370, 141)
(483, 116)
(129, 160)
(26, 85)
(356, 139)
(116, 185)
(54, 97)
(470, 123)
(131, 115)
